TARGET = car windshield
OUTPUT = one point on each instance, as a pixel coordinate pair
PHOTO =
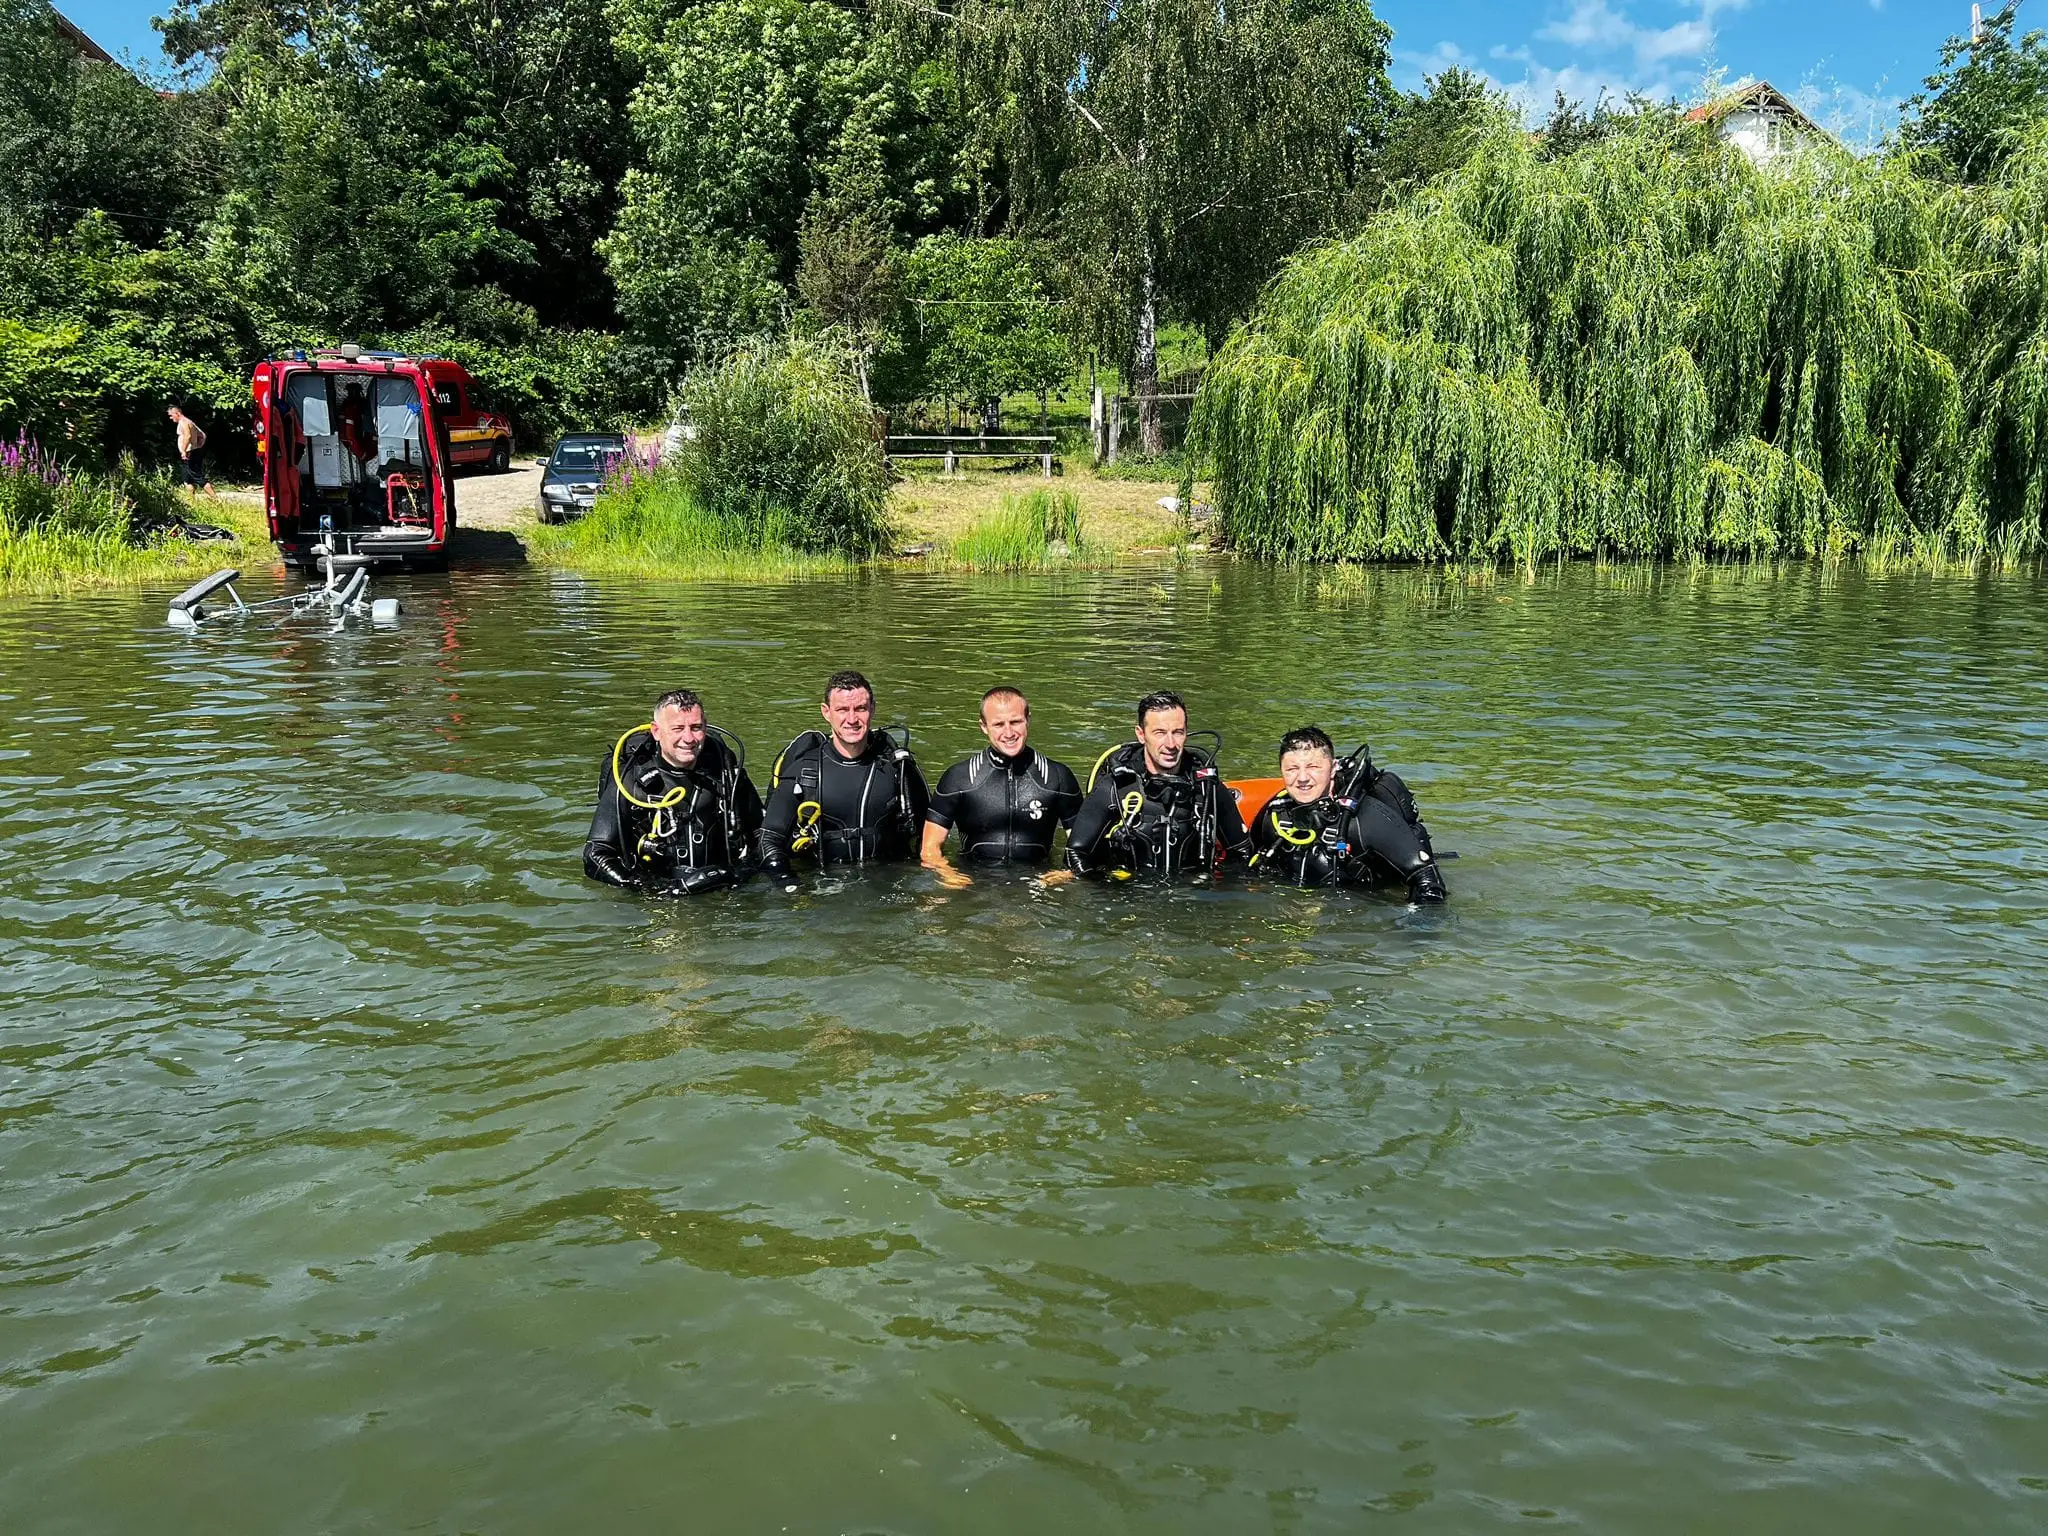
(588, 456)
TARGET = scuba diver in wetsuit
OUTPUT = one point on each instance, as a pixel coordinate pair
(1007, 800)
(1347, 823)
(676, 812)
(1156, 805)
(853, 797)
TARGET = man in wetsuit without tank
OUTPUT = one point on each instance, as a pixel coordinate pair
(1347, 823)
(1156, 806)
(1007, 800)
(676, 812)
(846, 795)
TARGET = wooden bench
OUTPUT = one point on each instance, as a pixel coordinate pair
(949, 447)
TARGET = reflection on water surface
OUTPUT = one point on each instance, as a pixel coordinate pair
(367, 1169)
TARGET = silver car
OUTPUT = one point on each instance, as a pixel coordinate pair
(575, 470)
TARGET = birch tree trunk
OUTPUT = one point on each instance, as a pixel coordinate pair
(1145, 361)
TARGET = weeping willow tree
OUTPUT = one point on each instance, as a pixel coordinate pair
(1649, 347)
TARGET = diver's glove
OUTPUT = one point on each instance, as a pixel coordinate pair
(601, 863)
(1426, 883)
(696, 882)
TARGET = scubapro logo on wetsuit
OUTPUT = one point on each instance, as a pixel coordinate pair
(1037, 810)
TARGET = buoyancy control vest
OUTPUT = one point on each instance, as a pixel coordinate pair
(1151, 823)
(843, 810)
(1366, 837)
(659, 825)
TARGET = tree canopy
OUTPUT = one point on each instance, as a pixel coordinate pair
(1979, 107)
(1652, 346)
(979, 325)
(1431, 330)
(1177, 148)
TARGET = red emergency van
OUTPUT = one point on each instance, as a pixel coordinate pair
(357, 451)
(477, 435)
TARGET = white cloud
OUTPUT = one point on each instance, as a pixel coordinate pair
(1422, 66)
(1532, 85)
(1859, 118)
(1594, 26)
(1596, 49)
(1590, 25)
(1591, 49)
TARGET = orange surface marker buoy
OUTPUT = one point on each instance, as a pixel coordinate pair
(1253, 793)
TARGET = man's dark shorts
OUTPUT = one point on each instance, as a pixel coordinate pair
(192, 470)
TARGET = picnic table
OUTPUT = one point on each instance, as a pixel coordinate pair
(952, 447)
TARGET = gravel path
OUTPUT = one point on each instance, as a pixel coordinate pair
(497, 502)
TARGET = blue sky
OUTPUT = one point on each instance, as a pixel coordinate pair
(1849, 62)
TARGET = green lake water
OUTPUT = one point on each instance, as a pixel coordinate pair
(367, 1170)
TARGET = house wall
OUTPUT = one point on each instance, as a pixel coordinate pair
(1762, 135)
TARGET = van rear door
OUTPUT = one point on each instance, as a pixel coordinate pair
(441, 458)
(280, 454)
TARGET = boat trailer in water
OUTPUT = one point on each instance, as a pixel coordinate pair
(345, 595)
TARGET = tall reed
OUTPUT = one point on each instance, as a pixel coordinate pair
(1034, 532)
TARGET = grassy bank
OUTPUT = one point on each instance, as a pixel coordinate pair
(783, 479)
(1121, 518)
(659, 528)
(655, 525)
(63, 530)
(1038, 531)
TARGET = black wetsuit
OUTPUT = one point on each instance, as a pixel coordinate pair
(1156, 823)
(1377, 837)
(870, 808)
(702, 842)
(1006, 808)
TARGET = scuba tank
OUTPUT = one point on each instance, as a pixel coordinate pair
(1355, 775)
(899, 755)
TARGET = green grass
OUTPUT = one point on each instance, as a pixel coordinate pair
(1040, 531)
(62, 531)
(656, 527)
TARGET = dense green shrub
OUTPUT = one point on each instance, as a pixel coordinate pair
(785, 443)
(548, 381)
(38, 494)
(98, 338)
(62, 528)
